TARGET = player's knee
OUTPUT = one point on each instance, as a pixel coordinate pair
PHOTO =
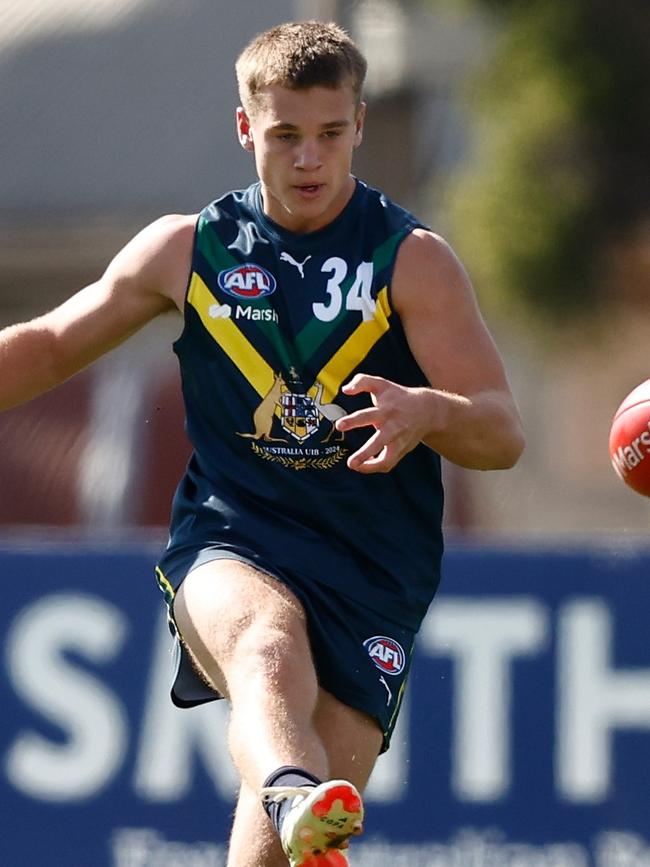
(272, 654)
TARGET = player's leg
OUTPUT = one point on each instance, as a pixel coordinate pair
(247, 633)
(254, 841)
(352, 741)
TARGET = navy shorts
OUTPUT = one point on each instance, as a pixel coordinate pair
(360, 656)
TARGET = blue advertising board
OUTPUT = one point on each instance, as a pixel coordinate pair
(524, 741)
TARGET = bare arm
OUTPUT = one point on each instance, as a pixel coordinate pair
(468, 414)
(147, 277)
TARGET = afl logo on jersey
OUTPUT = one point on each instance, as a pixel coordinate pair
(247, 281)
(386, 654)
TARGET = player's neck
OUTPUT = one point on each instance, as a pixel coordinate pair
(311, 218)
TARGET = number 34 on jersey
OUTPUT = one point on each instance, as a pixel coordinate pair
(353, 291)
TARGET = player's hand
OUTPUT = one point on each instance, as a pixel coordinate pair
(401, 416)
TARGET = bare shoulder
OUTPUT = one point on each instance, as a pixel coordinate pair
(172, 232)
(442, 321)
(428, 274)
(158, 259)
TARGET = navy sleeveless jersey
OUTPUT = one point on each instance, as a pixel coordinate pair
(275, 324)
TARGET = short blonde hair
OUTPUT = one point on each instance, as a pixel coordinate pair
(299, 55)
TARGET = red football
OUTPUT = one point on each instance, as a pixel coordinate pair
(629, 439)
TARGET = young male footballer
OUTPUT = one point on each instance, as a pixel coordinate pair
(331, 352)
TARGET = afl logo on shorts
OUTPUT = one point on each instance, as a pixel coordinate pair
(386, 653)
(247, 281)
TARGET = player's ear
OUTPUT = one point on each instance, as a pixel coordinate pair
(244, 131)
(358, 124)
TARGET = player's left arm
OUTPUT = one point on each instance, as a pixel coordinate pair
(468, 413)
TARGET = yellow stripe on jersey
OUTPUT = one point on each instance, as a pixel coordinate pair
(400, 694)
(165, 586)
(240, 351)
(355, 348)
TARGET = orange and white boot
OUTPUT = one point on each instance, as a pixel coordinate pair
(319, 821)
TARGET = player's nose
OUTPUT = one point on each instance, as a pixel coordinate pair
(307, 156)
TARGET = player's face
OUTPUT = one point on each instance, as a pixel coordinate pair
(303, 142)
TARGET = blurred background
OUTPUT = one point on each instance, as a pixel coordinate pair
(517, 130)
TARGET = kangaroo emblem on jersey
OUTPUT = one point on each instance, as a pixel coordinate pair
(300, 413)
(265, 413)
(287, 257)
(330, 411)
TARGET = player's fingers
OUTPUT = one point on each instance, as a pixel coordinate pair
(361, 418)
(364, 382)
(382, 462)
(368, 450)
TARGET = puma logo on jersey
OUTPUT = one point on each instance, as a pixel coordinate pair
(382, 679)
(287, 257)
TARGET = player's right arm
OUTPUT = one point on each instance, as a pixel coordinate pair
(146, 278)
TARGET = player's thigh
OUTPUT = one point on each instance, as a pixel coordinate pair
(352, 739)
(226, 602)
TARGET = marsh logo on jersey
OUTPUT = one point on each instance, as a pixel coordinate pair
(247, 281)
(386, 653)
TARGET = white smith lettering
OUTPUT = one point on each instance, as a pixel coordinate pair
(256, 315)
(626, 458)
